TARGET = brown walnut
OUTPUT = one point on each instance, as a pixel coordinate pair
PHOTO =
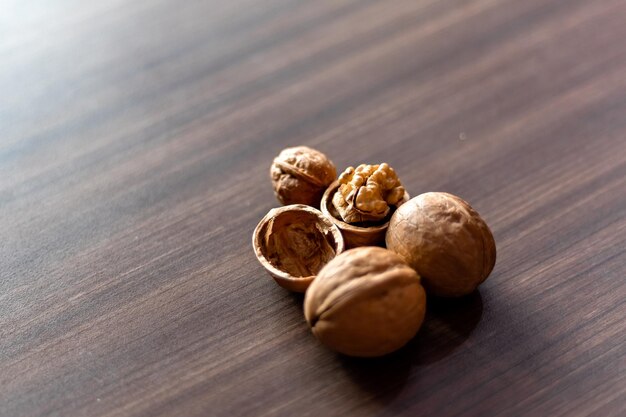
(365, 302)
(294, 242)
(445, 240)
(300, 175)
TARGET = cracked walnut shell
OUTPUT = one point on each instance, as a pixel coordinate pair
(366, 193)
(359, 234)
(294, 242)
(300, 175)
(445, 240)
(365, 302)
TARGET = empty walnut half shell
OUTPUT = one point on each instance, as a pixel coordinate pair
(294, 242)
(359, 234)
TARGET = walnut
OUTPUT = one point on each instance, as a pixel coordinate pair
(365, 302)
(300, 175)
(294, 242)
(445, 240)
(367, 192)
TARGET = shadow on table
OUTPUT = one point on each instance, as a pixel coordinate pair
(448, 323)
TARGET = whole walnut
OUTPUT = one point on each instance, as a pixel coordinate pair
(367, 193)
(365, 302)
(300, 175)
(445, 240)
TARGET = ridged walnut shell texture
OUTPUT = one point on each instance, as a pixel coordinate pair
(300, 175)
(366, 302)
(445, 240)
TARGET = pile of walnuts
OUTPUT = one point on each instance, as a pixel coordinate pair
(368, 300)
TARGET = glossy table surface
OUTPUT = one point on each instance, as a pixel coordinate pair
(135, 144)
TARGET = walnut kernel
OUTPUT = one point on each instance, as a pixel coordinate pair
(367, 193)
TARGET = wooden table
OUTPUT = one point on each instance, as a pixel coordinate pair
(135, 144)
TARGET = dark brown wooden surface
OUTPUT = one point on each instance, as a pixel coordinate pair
(135, 142)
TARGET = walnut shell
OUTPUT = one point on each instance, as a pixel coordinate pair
(300, 175)
(445, 240)
(360, 234)
(294, 242)
(366, 302)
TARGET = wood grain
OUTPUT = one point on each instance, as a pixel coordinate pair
(135, 143)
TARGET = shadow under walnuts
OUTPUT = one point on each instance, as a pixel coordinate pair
(448, 323)
(382, 378)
